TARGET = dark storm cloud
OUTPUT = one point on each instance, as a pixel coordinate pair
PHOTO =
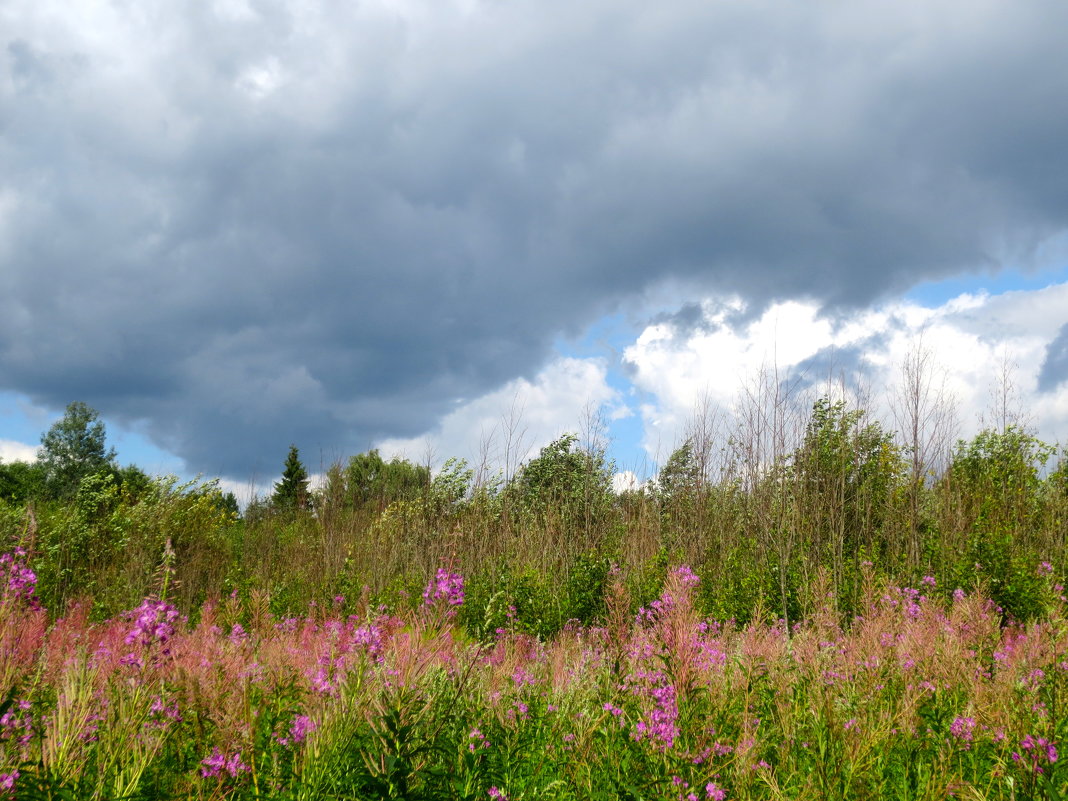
(1055, 366)
(246, 224)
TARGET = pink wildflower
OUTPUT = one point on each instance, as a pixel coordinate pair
(1039, 751)
(446, 586)
(686, 576)
(7, 780)
(962, 728)
(21, 581)
(153, 623)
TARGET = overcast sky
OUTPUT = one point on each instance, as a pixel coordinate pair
(231, 225)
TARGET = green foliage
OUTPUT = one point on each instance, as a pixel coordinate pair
(227, 503)
(682, 493)
(449, 488)
(370, 481)
(528, 601)
(996, 476)
(587, 583)
(292, 492)
(133, 481)
(544, 542)
(564, 482)
(995, 483)
(108, 542)
(680, 476)
(73, 448)
(21, 481)
(846, 469)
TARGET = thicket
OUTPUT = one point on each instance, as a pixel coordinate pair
(765, 512)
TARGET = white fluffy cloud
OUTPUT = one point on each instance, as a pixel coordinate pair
(977, 341)
(11, 451)
(556, 400)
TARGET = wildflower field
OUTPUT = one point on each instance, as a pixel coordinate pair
(923, 695)
(815, 609)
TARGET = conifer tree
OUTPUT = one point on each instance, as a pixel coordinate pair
(292, 491)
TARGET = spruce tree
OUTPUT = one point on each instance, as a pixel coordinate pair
(292, 491)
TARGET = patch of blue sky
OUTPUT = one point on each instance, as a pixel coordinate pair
(606, 339)
(22, 421)
(935, 293)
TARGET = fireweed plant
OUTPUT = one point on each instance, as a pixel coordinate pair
(915, 698)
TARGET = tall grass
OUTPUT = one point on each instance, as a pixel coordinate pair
(758, 512)
(917, 697)
(861, 615)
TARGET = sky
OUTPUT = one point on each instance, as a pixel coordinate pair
(419, 225)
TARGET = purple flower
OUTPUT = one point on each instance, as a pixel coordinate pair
(21, 581)
(320, 681)
(213, 764)
(217, 762)
(160, 709)
(7, 780)
(301, 728)
(522, 677)
(478, 740)
(16, 727)
(370, 640)
(686, 576)
(715, 792)
(234, 765)
(661, 725)
(132, 660)
(446, 586)
(1039, 751)
(962, 728)
(497, 794)
(153, 623)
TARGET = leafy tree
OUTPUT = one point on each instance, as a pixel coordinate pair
(73, 448)
(994, 481)
(684, 496)
(681, 474)
(20, 481)
(292, 491)
(569, 481)
(995, 478)
(370, 480)
(227, 502)
(449, 487)
(844, 474)
(134, 481)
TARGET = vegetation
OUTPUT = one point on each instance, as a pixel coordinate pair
(292, 491)
(806, 605)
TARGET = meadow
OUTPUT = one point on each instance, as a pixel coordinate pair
(832, 614)
(916, 698)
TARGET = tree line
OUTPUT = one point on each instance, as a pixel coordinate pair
(786, 504)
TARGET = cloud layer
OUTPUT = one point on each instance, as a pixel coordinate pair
(236, 225)
(989, 360)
